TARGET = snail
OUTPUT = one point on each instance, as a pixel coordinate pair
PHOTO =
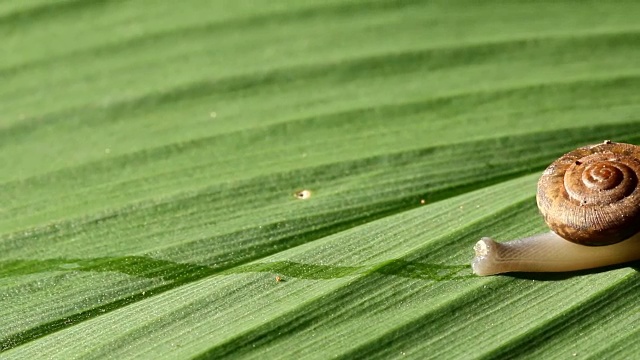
(590, 199)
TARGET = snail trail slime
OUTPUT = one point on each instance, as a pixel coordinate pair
(590, 199)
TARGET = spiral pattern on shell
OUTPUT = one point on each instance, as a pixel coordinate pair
(591, 195)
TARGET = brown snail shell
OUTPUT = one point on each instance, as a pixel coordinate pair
(591, 195)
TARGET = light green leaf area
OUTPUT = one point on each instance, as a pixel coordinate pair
(153, 153)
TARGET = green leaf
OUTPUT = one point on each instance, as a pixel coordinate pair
(153, 153)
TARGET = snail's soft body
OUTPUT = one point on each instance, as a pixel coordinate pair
(548, 252)
(590, 198)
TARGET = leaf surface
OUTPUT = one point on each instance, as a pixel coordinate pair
(152, 156)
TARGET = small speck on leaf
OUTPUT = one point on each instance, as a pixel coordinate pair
(302, 194)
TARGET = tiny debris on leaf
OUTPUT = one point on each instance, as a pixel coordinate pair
(302, 194)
